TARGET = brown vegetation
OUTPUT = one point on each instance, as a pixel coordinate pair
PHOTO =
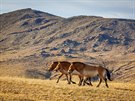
(18, 89)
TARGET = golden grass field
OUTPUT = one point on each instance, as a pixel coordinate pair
(21, 89)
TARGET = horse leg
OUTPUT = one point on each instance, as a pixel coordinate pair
(106, 83)
(84, 81)
(99, 82)
(59, 78)
(90, 81)
(70, 78)
(53, 76)
(69, 81)
(80, 81)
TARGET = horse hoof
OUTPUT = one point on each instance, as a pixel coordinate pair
(73, 83)
(79, 85)
(90, 85)
(68, 83)
(83, 84)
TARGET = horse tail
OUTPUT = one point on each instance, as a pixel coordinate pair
(108, 74)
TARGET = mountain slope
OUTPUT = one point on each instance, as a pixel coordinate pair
(97, 33)
(33, 38)
(10, 18)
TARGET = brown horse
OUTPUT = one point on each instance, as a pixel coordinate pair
(63, 71)
(90, 71)
(64, 66)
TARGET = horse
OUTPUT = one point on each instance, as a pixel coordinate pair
(90, 71)
(63, 71)
(64, 66)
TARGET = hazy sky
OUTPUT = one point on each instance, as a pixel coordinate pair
(68, 8)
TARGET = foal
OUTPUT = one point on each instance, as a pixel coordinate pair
(90, 71)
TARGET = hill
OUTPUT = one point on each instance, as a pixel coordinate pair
(29, 39)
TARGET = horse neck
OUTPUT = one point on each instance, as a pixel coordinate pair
(63, 70)
(80, 68)
(61, 67)
(77, 68)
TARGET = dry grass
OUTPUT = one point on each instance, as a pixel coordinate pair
(20, 89)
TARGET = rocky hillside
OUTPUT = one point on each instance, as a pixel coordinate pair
(29, 27)
(33, 38)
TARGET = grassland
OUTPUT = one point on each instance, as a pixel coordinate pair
(21, 89)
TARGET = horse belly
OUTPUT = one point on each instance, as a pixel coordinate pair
(64, 71)
(90, 73)
(75, 72)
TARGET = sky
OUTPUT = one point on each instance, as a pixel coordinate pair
(69, 8)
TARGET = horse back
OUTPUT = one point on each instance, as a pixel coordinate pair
(91, 70)
(65, 65)
(78, 65)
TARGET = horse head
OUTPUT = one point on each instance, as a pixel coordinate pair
(52, 66)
